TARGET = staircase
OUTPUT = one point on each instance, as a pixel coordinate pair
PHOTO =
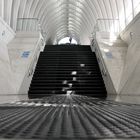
(67, 69)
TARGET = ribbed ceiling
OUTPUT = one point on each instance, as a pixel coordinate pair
(62, 18)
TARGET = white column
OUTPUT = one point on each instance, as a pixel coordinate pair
(2, 8)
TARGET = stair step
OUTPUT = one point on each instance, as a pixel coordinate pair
(47, 75)
(61, 84)
(59, 91)
(60, 81)
(62, 87)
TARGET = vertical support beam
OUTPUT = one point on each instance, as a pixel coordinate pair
(124, 11)
(7, 10)
(133, 13)
(2, 8)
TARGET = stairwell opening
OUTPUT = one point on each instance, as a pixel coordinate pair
(68, 40)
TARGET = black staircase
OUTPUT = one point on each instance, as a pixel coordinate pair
(67, 69)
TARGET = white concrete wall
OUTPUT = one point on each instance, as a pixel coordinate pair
(130, 82)
(6, 35)
(6, 85)
(113, 52)
(24, 42)
(134, 28)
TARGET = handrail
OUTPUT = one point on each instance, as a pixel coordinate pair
(107, 19)
(34, 59)
(27, 18)
(100, 60)
(113, 25)
(104, 71)
(28, 24)
(44, 34)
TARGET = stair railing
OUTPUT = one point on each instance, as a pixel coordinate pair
(34, 61)
(108, 25)
(100, 60)
(106, 76)
(31, 67)
(94, 45)
(28, 24)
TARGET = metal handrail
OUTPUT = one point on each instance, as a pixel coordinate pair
(99, 55)
(27, 18)
(100, 60)
(35, 59)
(109, 19)
(32, 22)
(31, 67)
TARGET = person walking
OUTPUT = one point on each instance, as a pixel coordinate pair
(70, 39)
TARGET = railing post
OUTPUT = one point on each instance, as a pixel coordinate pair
(133, 13)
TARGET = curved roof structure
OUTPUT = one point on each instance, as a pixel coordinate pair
(75, 18)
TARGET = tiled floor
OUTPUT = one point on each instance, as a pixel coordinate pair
(69, 117)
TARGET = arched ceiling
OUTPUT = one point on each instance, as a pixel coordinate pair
(62, 18)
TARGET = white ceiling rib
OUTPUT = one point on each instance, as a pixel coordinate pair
(62, 18)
